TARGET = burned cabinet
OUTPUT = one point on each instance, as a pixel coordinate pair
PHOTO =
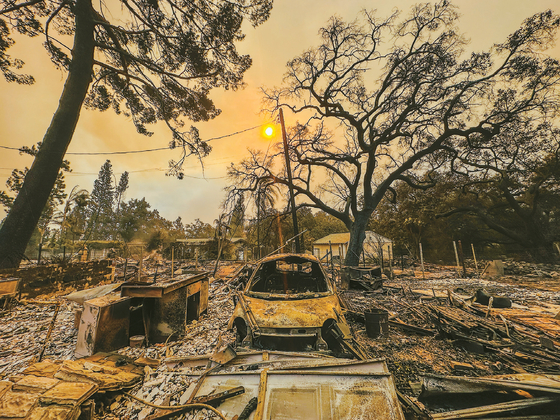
(10, 289)
(104, 324)
(168, 306)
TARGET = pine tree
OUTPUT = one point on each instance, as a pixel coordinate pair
(100, 208)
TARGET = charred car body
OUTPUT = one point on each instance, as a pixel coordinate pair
(289, 303)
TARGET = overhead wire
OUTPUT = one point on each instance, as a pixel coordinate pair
(126, 152)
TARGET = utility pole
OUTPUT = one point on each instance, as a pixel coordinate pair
(259, 222)
(290, 184)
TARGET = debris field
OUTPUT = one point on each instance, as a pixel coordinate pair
(439, 327)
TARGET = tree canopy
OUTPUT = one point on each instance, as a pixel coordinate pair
(149, 60)
(404, 99)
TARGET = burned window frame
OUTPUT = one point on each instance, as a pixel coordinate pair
(274, 267)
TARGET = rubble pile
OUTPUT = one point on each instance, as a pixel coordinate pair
(539, 270)
(154, 266)
(23, 334)
(436, 326)
(161, 388)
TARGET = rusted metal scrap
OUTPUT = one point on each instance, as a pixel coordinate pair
(313, 387)
(489, 410)
(534, 394)
(10, 290)
(210, 399)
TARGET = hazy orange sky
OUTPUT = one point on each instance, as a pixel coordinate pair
(25, 111)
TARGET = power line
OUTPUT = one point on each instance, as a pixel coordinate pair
(145, 170)
(126, 152)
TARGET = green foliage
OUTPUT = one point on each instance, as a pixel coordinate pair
(57, 196)
(199, 229)
(100, 210)
(153, 61)
(134, 220)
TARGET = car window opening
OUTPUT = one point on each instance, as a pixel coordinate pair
(283, 277)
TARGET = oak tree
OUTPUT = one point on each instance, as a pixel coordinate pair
(401, 97)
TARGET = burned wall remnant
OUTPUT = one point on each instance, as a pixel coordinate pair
(43, 279)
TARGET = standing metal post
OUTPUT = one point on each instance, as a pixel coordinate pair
(422, 260)
(457, 258)
(390, 252)
(290, 183)
(141, 262)
(475, 262)
(462, 258)
(259, 221)
(332, 265)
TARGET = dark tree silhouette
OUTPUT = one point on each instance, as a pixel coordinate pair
(56, 197)
(150, 60)
(404, 98)
(511, 184)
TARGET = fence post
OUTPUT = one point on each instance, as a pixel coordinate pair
(457, 259)
(422, 260)
(475, 262)
(390, 252)
(462, 258)
(172, 261)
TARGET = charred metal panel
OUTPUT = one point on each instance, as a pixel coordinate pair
(168, 315)
(104, 325)
(203, 308)
(293, 313)
(10, 286)
(351, 390)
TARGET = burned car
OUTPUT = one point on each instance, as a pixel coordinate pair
(289, 303)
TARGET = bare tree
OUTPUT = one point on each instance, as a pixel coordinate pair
(403, 98)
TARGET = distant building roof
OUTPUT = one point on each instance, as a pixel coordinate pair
(343, 238)
(195, 241)
(334, 238)
(204, 241)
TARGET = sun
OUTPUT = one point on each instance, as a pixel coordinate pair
(268, 131)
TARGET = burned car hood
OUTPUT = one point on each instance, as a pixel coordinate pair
(312, 312)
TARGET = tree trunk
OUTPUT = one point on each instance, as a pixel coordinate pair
(357, 237)
(30, 201)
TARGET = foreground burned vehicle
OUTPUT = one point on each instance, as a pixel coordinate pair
(289, 304)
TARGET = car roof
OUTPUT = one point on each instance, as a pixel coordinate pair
(290, 258)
